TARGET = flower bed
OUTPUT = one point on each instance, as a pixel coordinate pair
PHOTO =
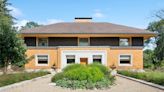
(17, 77)
(151, 76)
(84, 77)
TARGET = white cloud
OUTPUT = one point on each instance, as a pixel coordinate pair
(15, 11)
(51, 21)
(21, 23)
(98, 14)
(151, 45)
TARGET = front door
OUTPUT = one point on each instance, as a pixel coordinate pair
(84, 61)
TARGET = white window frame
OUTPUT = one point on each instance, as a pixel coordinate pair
(36, 60)
(97, 55)
(70, 63)
(131, 60)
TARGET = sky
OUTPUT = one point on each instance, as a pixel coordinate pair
(134, 13)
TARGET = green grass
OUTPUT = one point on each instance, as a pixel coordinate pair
(17, 77)
(150, 76)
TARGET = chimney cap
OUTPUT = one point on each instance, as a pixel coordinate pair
(83, 17)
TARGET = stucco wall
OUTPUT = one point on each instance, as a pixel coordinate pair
(137, 58)
(32, 63)
(112, 56)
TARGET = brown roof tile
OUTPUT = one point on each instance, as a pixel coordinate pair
(85, 28)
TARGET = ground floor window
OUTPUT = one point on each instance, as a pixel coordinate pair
(42, 59)
(125, 59)
(70, 59)
(97, 58)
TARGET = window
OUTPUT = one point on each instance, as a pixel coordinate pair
(97, 58)
(70, 59)
(125, 59)
(42, 42)
(83, 42)
(124, 42)
(42, 59)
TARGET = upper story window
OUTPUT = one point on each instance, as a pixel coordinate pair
(83, 41)
(124, 42)
(42, 41)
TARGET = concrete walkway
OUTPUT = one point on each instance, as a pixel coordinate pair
(122, 85)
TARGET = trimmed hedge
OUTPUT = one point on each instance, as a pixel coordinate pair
(84, 76)
(151, 76)
(17, 77)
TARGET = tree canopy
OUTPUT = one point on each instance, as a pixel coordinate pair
(30, 24)
(12, 50)
(5, 17)
(158, 27)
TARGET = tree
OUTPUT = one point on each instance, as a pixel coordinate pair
(5, 17)
(158, 27)
(160, 14)
(30, 25)
(12, 50)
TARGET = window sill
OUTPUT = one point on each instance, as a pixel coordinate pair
(125, 64)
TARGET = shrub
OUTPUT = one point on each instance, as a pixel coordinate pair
(104, 83)
(73, 66)
(74, 84)
(57, 76)
(17, 77)
(103, 68)
(87, 73)
(81, 76)
(154, 77)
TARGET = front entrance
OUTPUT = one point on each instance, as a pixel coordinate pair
(84, 61)
(83, 57)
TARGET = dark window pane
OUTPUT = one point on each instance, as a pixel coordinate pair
(42, 41)
(125, 62)
(97, 61)
(69, 61)
(125, 59)
(83, 42)
(30, 41)
(42, 61)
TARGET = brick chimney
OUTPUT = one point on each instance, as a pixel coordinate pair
(83, 19)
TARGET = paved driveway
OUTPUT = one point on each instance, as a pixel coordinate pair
(122, 85)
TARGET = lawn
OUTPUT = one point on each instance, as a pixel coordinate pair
(17, 77)
(156, 77)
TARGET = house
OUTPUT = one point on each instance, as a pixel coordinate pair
(84, 42)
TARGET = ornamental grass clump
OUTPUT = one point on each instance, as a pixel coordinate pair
(78, 76)
(150, 76)
(8, 79)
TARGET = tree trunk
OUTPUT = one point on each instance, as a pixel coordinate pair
(5, 67)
